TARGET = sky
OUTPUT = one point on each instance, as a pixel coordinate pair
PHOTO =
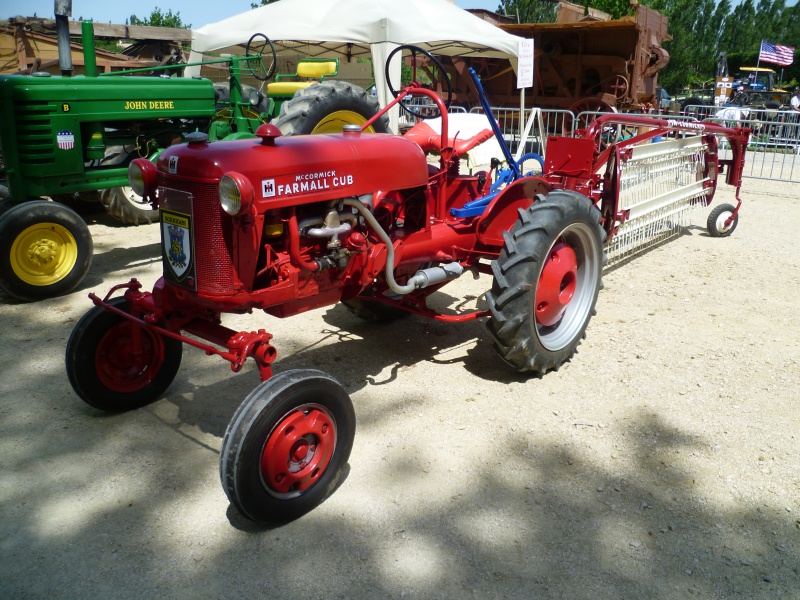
(196, 12)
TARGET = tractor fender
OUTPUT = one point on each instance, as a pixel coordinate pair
(502, 212)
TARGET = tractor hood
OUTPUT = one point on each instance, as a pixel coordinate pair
(287, 171)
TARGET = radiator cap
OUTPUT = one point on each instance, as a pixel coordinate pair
(196, 137)
(268, 132)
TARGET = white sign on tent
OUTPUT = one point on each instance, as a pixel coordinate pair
(525, 67)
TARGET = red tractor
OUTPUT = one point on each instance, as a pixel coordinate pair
(287, 224)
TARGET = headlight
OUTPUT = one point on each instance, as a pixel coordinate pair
(143, 177)
(235, 194)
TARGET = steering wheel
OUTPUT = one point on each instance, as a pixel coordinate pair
(257, 47)
(414, 51)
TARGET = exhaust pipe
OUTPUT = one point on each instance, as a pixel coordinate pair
(63, 10)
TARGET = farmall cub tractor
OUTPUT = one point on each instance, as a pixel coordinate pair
(288, 224)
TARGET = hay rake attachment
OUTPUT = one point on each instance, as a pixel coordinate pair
(658, 180)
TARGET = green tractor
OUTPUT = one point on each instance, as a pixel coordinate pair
(66, 138)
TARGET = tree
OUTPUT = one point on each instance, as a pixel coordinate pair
(161, 19)
(528, 11)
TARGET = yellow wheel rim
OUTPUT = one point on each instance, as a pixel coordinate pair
(335, 122)
(43, 254)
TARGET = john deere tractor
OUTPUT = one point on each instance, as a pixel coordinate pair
(65, 137)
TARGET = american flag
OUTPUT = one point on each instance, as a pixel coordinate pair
(777, 54)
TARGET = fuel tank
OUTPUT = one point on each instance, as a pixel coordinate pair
(292, 170)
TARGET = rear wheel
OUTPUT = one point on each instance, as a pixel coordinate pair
(45, 250)
(5, 205)
(128, 206)
(546, 282)
(327, 107)
(717, 218)
(106, 369)
(287, 445)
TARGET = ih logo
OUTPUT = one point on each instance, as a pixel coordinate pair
(267, 188)
(173, 165)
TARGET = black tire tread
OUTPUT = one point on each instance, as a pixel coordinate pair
(711, 223)
(118, 207)
(233, 450)
(301, 114)
(509, 300)
(79, 358)
(15, 219)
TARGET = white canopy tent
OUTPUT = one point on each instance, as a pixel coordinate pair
(349, 29)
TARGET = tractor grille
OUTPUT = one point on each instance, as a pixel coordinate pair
(212, 240)
(35, 133)
(212, 237)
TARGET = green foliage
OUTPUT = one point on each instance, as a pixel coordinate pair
(108, 45)
(701, 29)
(528, 11)
(158, 18)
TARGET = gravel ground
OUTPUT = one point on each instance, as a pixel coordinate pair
(661, 462)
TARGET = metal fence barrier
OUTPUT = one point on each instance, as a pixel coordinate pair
(774, 149)
(773, 152)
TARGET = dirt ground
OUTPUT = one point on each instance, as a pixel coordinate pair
(661, 462)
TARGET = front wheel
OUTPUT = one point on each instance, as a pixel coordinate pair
(45, 250)
(546, 282)
(718, 218)
(287, 445)
(128, 206)
(116, 365)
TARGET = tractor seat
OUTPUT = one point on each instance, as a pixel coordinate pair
(313, 69)
(465, 132)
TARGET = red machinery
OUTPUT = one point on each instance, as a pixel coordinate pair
(288, 224)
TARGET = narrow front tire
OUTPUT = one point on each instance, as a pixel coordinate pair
(286, 446)
(116, 365)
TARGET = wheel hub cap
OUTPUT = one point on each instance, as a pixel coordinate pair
(298, 451)
(557, 284)
(123, 368)
(43, 252)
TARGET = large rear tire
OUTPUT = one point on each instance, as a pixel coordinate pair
(45, 250)
(546, 282)
(286, 446)
(327, 107)
(129, 207)
(105, 370)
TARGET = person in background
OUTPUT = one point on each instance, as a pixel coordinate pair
(795, 102)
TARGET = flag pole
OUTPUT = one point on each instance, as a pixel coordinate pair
(758, 62)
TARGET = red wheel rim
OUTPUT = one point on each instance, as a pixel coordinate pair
(557, 284)
(298, 450)
(120, 367)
